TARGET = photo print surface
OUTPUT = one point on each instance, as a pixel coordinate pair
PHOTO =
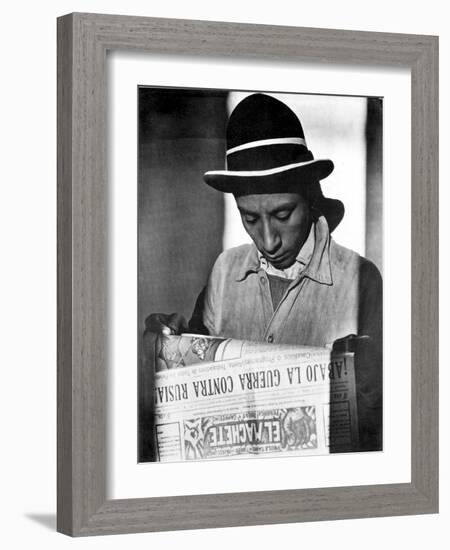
(260, 274)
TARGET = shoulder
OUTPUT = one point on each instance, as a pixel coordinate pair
(236, 256)
(237, 253)
(345, 259)
(233, 261)
(341, 255)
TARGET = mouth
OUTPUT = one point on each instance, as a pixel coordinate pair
(279, 261)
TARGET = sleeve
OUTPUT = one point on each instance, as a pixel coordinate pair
(370, 311)
(196, 323)
(369, 372)
(204, 314)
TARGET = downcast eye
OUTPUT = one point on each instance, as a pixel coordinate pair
(284, 215)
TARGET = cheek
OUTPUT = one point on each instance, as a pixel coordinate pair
(251, 231)
(296, 234)
(291, 237)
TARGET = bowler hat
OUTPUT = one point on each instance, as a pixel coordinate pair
(267, 153)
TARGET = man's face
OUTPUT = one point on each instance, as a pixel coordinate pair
(278, 223)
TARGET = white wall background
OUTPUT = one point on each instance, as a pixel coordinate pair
(28, 276)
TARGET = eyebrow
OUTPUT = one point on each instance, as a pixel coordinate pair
(279, 208)
(285, 206)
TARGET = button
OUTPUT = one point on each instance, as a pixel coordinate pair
(263, 280)
(270, 338)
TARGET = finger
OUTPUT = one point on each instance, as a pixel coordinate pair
(177, 323)
(160, 364)
(166, 331)
(155, 321)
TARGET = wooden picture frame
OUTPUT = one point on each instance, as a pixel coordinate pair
(83, 40)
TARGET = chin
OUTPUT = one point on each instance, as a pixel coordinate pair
(284, 264)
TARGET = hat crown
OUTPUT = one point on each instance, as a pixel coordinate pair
(263, 133)
(259, 117)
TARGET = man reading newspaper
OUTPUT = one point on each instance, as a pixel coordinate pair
(294, 284)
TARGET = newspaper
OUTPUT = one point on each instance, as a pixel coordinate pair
(221, 398)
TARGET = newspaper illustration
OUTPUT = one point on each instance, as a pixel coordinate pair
(219, 398)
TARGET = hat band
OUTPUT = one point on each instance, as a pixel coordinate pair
(268, 156)
(263, 142)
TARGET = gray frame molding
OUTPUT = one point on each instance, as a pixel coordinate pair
(83, 40)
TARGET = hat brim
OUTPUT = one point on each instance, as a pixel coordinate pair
(333, 210)
(269, 181)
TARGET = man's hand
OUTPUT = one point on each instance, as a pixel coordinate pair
(369, 379)
(368, 365)
(352, 343)
(157, 327)
(163, 323)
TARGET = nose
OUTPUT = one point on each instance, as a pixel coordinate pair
(271, 239)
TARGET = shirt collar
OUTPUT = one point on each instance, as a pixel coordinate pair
(313, 259)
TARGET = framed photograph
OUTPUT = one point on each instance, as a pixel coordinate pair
(247, 274)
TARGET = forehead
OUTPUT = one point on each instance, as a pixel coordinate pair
(269, 202)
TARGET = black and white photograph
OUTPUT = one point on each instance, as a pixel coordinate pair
(221, 306)
(260, 269)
